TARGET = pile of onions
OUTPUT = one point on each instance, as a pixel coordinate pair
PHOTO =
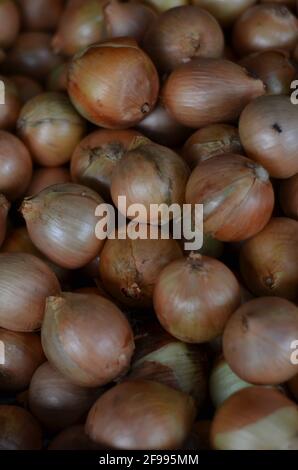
(95, 158)
(4, 208)
(58, 78)
(19, 430)
(10, 23)
(289, 197)
(210, 141)
(113, 84)
(182, 34)
(265, 27)
(257, 340)
(27, 87)
(194, 297)
(10, 109)
(40, 15)
(269, 260)
(293, 387)
(61, 223)
(23, 355)
(51, 128)
(256, 418)
(226, 12)
(236, 193)
(45, 177)
(191, 100)
(81, 24)
(102, 333)
(73, 438)
(140, 414)
(129, 268)
(25, 283)
(149, 174)
(55, 401)
(268, 132)
(15, 166)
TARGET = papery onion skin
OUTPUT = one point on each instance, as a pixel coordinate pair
(96, 157)
(58, 78)
(265, 27)
(188, 96)
(159, 417)
(23, 355)
(182, 34)
(288, 197)
(259, 334)
(10, 109)
(269, 260)
(256, 418)
(129, 268)
(55, 401)
(98, 90)
(73, 438)
(27, 87)
(51, 128)
(15, 166)
(100, 330)
(194, 297)
(43, 178)
(210, 141)
(10, 23)
(4, 208)
(40, 15)
(236, 193)
(19, 430)
(61, 223)
(268, 132)
(293, 387)
(226, 12)
(25, 282)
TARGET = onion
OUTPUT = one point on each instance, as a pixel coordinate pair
(293, 386)
(31, 55)
(236, 193)
(289, 196)
(23, 354)
(95, 158)
(129, 268)
(15, 166)
(113, 84)
(265, 27)
(27, 87)
(226, 12)
(92, 290)
(55, 401)
(58, 78)
(102, 335)
(19, 430)
(269, 260)
(45, 177)
(256, 418)
(191, 100)
(40, 15)
(73, 438)
(268, 132)
(149, 174)
(127, 19)
(10, 23)
(10, 109)
(80, 25)
(140, 414)
(210, 141)
(61, 223)
(51, 128)
(25, 282)
(194, 297)
(182, 34)
(4, 208)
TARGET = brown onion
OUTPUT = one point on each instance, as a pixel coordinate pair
(51, 128)
(226, 12)
(25, 282)
(61, 223)
(95, 340)
(193, 102)
(58, 78)
(265, 27)
(129, 268)
(4, 208)
(10, 23)
(81, 24)
(209, 141)
(27, 87)
(95, 158)
(293, 387)
(140, 414)
(194, 297)
(45, 177)
(23, 354)
(236, 193)
(256, 418)
(55, 401)
(182, 34)
(149, 174)
(10, 109)
(113, 84)
(73, 438)
(268, 132)
(269, 260)
(289, 197)
(19, 430)
(40, 15)
(15, 166)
